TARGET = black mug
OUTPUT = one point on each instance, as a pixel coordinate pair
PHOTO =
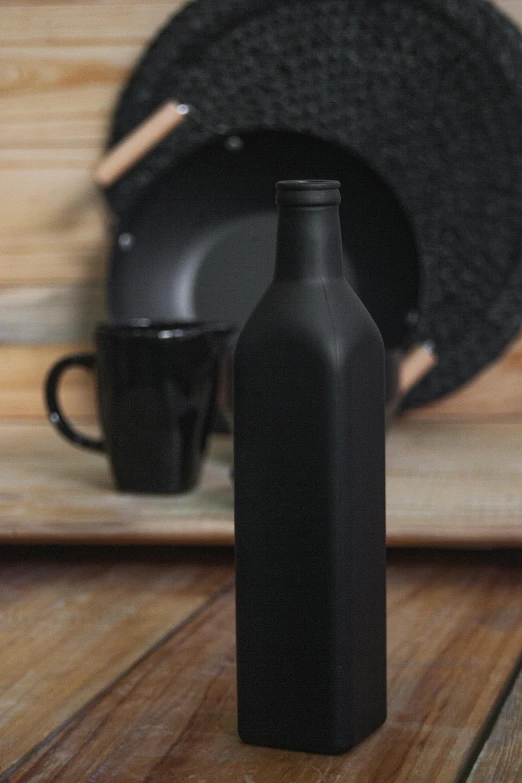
(157, 385)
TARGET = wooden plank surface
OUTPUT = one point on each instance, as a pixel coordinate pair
(61, 68)
(455, 482)
(451, 484)
(51, 491)
(500, 760)
(47, 314)
(24, 368)
(52, 228)
(83, 3)
(455, 632)
(52, 24)
(71, 623)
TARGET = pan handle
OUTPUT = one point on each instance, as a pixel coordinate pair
(131, 149)
(414, 366)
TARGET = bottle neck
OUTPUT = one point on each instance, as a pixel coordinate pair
(308, 243)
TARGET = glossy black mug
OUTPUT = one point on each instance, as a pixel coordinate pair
(157, 385)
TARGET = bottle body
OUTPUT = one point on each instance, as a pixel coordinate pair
(309, 506)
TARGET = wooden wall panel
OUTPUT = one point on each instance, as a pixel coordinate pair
(52, 227)
(61, 67)
(48, 314)
(52, 23)
(24, 368)
(81, 3)
(62, 63)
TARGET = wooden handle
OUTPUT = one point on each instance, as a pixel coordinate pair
(415, 365)
(141, 140)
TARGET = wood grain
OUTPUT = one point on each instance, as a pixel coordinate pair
(455, 482)
(52, 24)
(51, 491)
(71, 624)
(47, 314)
(414, 366)
(500, 760)
(455, 632)
(145, 137)
(92, 4)
(52, 228)
(24, 368)
(448, 485)
(61, 68)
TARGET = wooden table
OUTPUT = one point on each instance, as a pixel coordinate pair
(117, 661)
(448, 484)
(117, 664)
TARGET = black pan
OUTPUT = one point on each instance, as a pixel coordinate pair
(201, 243)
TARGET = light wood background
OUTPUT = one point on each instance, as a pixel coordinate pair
(62, 64)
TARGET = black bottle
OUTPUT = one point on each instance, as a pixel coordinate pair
(309, 494)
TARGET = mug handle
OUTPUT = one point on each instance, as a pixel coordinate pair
(56, 416)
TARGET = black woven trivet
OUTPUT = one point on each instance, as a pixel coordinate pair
(428, 92)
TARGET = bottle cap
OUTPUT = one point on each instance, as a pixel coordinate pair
(308, 192)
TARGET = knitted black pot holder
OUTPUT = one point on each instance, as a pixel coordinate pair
(427, 92)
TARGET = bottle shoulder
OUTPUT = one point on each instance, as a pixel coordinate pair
(351, 318)
(317, 316)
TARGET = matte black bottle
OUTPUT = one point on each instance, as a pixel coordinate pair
(309, 495)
